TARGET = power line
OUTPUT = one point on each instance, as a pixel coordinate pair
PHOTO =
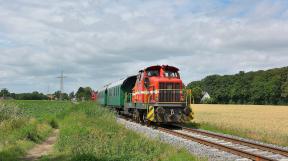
(61, 77)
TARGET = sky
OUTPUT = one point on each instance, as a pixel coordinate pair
(100, 41)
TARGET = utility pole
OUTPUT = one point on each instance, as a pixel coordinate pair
(48, 89)
(61, 77)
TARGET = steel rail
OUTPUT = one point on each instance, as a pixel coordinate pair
(228, 149)
(238, 141)
(232, 150)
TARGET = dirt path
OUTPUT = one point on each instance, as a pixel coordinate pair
(43, 148)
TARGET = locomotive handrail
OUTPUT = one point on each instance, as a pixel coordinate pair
(188, 93)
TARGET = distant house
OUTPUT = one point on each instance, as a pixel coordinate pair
(6, 98)
(50, 96)
(206, 96)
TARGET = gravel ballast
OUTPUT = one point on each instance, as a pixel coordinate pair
(195, 148)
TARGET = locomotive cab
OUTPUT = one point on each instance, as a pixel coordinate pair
(158, 84)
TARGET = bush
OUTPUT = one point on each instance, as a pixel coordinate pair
(53, 123)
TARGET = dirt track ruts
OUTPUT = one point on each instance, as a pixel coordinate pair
(42, 149)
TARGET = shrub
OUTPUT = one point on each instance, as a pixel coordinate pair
(54, 124)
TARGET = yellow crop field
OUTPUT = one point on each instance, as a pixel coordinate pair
(264, 123)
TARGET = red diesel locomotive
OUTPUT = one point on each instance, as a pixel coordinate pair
(154, 94)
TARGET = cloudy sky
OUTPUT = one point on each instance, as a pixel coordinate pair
(99, 41)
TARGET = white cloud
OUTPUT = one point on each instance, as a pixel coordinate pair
(96, 42)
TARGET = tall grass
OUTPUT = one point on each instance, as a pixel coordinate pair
(87, 133)
(25, 123)
(91, 133)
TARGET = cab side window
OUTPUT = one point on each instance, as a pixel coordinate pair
(139, 77)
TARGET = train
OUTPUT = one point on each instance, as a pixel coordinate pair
(155, 94)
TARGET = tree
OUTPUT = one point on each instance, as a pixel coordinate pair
(197, 94)
(84, 93)
(71, 95)
(260, 87)
(31, 96)
(59, 95)
(4, 93)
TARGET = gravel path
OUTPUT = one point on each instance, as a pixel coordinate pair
(42, 149)
(195, 148)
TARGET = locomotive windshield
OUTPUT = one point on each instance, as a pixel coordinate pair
(170, 73)
(153, 72)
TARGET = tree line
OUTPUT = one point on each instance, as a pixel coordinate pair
(83, 93)
(260, 87)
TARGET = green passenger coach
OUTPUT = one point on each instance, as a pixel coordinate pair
(102, 97)
(114, 94)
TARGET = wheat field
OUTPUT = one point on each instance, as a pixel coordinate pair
(264, 123)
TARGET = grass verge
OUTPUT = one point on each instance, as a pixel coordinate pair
(91, 133)
(26, 123)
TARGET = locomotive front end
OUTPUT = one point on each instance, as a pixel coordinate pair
(162, 93)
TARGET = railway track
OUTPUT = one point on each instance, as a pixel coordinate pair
(250, 150)
(242, 148)
(242, 142)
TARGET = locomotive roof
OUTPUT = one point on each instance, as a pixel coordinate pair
(162, 66)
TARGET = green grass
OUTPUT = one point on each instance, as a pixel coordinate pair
(91, 133)
(26, 123)
(87, 133)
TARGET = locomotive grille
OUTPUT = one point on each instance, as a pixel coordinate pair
(169, 92)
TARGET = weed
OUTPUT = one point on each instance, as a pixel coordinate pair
(53, 123)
